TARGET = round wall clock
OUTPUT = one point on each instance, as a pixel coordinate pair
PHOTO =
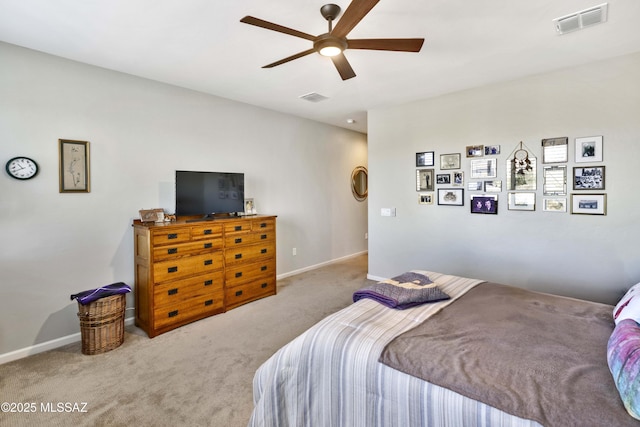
(22, 168)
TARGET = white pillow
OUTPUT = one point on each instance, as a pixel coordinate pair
(629, 306)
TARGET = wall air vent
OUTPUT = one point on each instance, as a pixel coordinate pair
(313, 97)
(584, 18)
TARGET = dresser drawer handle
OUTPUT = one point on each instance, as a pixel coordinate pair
(173, 313)
(263, 225)
(172, 291)
(208, 245)
(172, 251)
(238, 228)
(208, 261)
(238, 293)
(263, 251)
(238, 256)
(208, 282)
(208, 231)
(263, 268)
(238, 240)
(239, 274)
(264, 285)
(208, 302)
(172, 269)
(172, 236)
(263, 236)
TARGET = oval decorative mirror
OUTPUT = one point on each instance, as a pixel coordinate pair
(360, 183)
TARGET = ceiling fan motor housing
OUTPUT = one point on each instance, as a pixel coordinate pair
(330, 11)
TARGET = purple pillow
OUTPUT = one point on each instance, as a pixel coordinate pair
(623, 356)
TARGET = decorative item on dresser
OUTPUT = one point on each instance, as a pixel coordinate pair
(186, 271)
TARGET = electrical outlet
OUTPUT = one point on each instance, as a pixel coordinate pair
(366, 236)
(295, 252)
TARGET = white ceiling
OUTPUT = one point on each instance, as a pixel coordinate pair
(201, 45)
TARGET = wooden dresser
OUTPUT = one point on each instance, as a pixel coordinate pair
(186, 271)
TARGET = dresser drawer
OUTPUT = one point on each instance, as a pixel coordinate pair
(178, 250)
(259, 225)
(170, 294)
(187, 266)
(207, 231)
(184, 311)
(249, 238)
(236, 227)
(249, 291)
(239, 274)
(250, 252)
(167, 236)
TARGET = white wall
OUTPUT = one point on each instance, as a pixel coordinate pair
(140, 132)
(593, 257)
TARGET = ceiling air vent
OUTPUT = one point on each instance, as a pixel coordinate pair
(579, 20)
(313, 97)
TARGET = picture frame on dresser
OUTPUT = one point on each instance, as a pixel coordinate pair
(249, 207)
(152, 215)
(74, 166)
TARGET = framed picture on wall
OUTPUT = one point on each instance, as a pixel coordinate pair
(554, 181)
(589, 149)
(450, 161)
(424, 179)
(475, 150)
(554, 204)
(484, 168)
(451, 196)
(443, 178)
(425, 199)
(589, 204)
(522, 201)
(589, 178)
(555, 150)
(74, 166)
(484, 204)
(425, 158)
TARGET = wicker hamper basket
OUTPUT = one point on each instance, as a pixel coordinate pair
(102, 324)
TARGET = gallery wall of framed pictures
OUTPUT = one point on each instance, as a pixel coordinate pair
(443, 178)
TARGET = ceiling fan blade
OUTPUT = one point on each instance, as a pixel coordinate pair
(290, 58)
(357, 10)
(401, 45)
(275, 27)
(343, 66)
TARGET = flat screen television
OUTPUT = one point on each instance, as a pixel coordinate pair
(209, 193)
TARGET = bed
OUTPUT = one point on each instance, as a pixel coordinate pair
(341, 371)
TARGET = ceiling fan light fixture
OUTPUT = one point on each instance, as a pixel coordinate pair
(329, 46)
(330, 51)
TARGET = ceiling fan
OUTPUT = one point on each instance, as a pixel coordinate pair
(334, 42)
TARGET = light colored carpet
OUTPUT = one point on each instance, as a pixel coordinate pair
(197, 375)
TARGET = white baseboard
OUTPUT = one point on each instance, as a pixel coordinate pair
(69, 339)
(322, 264)
(376, 278)
(46, 346)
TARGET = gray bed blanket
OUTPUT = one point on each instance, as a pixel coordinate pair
(536, 356)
